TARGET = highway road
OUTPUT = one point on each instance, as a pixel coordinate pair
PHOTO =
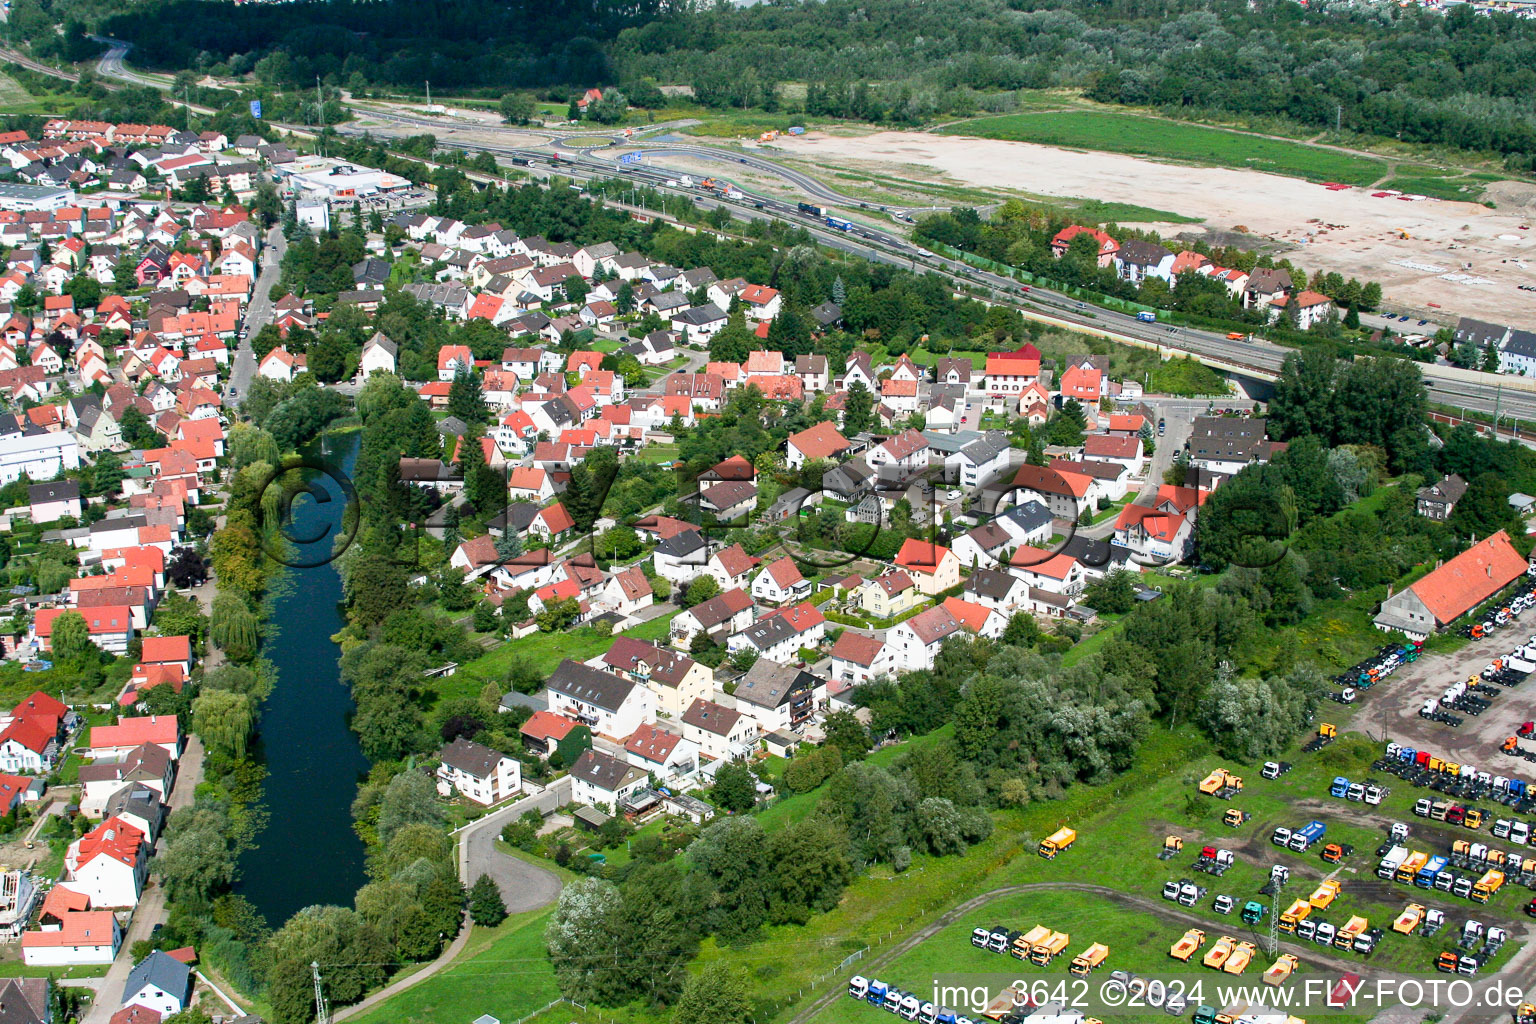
(1506, 396)
(1487, 394)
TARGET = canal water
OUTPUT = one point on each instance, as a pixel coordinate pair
(307, 853)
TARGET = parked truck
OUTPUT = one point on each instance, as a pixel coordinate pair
(1217, 954)
(1303, 838)
(1049, 948)
(1056, 842)
(1090, 959)
(1293, 915)
(1491, 882)
(1323, 896)
(1409, 868)
(1026, 942)
(1345, 937)
(1391, 862)
(1425, 879)
(1242, 956)
(1409, 920)
(1188, 945)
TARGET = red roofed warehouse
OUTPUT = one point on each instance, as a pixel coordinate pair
(1453, 589)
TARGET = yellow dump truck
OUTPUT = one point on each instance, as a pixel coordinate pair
(1323, 896)
(1411, 865)
(1484, 888)
(1090, 959)
(1217, 954)
(1409, 920)
(1056, 842)
(1345, 937)
(1049, 948)
(1241, 957)
(1281, 969)
(1218, 780)
(1295, 914)
(1026, 942)
(1188, 945)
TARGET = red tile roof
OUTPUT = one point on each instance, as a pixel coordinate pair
(130, 732)
(652, 743)
(921, 556)
(159, 650)
(857, 648)
(821, 441)
(1470, 578)
(546, 725)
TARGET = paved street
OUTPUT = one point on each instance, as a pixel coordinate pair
(524, 886)
(151, 908)
(258, 314)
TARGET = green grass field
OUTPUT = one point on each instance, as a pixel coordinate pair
(503, 971)
(14, 99)
(1173, 140)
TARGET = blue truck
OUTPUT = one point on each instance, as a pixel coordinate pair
(1147, 317)
(877, 991)
(1425, 879)
(1305, 836)
(1340, 786)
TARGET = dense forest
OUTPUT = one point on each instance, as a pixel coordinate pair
(1457, 79)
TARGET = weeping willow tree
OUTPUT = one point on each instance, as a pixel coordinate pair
(234, 627)
(225, 720)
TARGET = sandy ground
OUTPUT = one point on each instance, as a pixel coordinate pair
(1347, 231)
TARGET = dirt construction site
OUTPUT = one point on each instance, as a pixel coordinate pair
(1431, 255)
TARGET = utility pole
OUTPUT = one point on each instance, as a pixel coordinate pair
(1338, 118)
(322, 1012)
(429, 95)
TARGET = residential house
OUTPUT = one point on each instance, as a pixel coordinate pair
(720, 616)
(998, 589)
(1065, 494)
(662, 754)
(1137, 260)
(933, 567)
(378, 355)
(109, 864)
(776, 695)
(821, 441)
(676, 679)
(780, 581)
(50, 502)
(159, 982)
(1104, 247)
(1046, 570)
(603, 780)
(1438, 500)
(476, 771)
(1225, 444)
(857, 658)
(721, 733)
(915, 642)
(604, 702)
(889, 594)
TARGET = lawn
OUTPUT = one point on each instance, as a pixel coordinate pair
(1467, 189)
(503, 971)
(545, 651)
(1174, 140)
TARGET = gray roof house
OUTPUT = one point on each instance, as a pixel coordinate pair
(159, 981)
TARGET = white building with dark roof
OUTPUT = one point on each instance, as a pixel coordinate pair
(477, 772)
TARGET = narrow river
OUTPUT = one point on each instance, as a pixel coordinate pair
(308, 853)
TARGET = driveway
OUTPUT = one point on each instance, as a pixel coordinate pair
(524, 886)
